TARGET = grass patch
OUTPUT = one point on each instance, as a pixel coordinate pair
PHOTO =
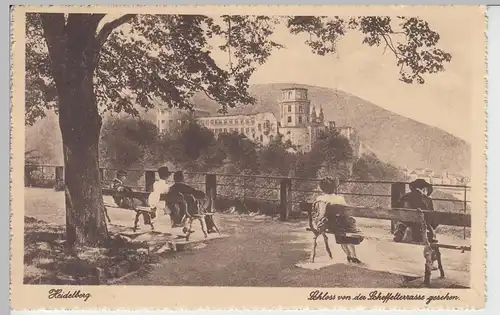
(48, 261)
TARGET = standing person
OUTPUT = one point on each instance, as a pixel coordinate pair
(336, 222)
(159, 187)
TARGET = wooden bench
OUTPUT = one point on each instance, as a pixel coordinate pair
(404, 215)
(171, 199)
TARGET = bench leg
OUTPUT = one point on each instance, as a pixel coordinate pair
(151, 224)
(136, 220)
(427, 275)
(325, 238)
(216, 228)
(106, 214)
(440, 265)
(428, 264)
(313, 251)
(203, 227)
(189, 230)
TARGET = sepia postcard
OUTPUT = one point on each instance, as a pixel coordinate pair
(248, 157)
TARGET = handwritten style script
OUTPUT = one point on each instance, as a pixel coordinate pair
(59, 294)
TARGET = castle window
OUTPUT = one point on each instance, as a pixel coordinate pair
(289, 108)
(289, 119)
(225, 129)
(163, 122)
(290, 94)
(300, 119)
(259, 127)
(301, 109)
(261, 139)
(247, 130)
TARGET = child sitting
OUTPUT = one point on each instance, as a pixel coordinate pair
(118, 184)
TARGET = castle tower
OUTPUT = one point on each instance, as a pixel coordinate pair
(321, 117)
(294, 107)
(313, 115)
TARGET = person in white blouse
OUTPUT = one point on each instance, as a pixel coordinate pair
(159, 187)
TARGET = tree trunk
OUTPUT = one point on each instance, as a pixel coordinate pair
(85, 221)
(73, 58)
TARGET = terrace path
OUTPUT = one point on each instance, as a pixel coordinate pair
(266, 252)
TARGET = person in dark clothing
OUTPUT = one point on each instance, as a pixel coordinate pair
(192, 203)
(417, 198)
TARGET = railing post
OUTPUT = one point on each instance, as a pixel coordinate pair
(397, 191)
(149, 177)
(59, 175)
(27, 175)
(211, 189)
(465, 207)
(101, 174)
(289, 196)
(285, 192)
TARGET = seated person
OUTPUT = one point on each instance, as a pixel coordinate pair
(180, 187)
(336, 223)
(159, 187)
(417, 198)
(118, 184)
(128, 202)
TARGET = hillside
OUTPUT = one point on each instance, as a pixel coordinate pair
(393, 138)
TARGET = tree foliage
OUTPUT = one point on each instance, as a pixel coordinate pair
(410, 39)
(329, 149)
(183, 145)
(125, 142)
(140, 57)
(276, 158)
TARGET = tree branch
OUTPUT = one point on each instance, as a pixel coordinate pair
(110, 26)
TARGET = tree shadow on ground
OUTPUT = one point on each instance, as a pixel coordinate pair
(48, 261)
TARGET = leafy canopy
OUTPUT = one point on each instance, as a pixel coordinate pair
(124, 142)
(145, 57)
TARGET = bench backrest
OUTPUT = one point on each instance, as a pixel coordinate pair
(141, 195)
(406, 215)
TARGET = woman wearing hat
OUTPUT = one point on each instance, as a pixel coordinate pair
(335, 221)
(417, 198)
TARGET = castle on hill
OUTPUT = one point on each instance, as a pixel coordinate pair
(299, 121)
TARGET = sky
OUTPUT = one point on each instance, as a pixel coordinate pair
(444, 101)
